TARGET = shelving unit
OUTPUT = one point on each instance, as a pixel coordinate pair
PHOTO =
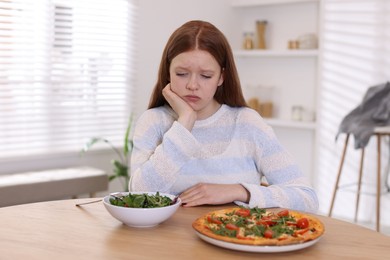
(244, 55)
(275, 53)
(291, 72)
(298, 67)
(249, 3)
(291, 124)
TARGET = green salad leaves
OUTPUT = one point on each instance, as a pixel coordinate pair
(143, 200)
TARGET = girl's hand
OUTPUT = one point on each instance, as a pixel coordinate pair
(206, 193)
(187, 115)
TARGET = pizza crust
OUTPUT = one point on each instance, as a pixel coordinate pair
(202, 226)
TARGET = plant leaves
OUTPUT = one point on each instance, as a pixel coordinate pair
(119, 168)
(92, 142)
(111, 177)
(127, 146)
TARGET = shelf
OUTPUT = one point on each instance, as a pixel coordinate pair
(249, 3)
(275, 53)
(291, 124)
(292, 72)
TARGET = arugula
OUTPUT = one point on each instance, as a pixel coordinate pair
(281, 229)
(280, 224)
(257, 211)
(222, 231)
(256, 230)
(141, 201)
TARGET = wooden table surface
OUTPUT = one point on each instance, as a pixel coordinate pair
(60, 230)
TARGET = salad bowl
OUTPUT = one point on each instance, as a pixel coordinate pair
(141, 209)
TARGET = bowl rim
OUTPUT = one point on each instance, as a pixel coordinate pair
(107, 202)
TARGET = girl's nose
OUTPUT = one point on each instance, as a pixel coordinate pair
(192, 84)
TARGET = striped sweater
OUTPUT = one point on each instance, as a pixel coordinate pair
(233, 146)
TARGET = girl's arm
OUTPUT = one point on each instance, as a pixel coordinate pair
(288, 187)
(161, 147)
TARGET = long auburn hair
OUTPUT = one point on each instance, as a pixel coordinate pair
(203, 36)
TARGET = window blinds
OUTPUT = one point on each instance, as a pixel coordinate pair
(355, 56)
(65, 74)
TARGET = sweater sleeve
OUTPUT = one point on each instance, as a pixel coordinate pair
(288, 187)
(296, 195)
(158, 156)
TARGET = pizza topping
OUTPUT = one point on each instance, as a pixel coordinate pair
(283, 213)
(268, 221)
(300, 231)
(283, 237)
(231, 226)
(243, 212)
(268, 233)
(244, 237)
(256, 226)
(303, 223)
(247, 223)
(224, 232)
(291, 223)
(281, 229)
(213, 219)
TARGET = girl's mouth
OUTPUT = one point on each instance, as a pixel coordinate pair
(191, 98)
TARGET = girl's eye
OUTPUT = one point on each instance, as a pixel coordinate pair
(180, 74)
(206, 76)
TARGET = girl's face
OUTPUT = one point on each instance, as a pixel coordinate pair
(195, 76)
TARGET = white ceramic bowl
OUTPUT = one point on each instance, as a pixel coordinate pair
(141, 217)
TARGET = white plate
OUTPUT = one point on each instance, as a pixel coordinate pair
(258, 249)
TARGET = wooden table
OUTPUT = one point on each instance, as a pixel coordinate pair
(60, 230)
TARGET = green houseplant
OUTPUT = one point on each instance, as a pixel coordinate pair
(121, 166)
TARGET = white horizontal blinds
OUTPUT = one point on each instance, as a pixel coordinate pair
(65, 73)
(355, 50)
(356, 56)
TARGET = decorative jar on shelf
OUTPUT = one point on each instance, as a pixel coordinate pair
(248, 41)
(260, 28)
(262, 100)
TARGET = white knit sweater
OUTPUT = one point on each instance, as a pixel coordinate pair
(234, 145)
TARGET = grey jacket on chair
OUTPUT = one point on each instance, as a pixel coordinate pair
(374, 111)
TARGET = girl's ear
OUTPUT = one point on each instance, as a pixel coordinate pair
(222, 77)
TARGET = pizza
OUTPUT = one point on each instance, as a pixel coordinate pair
(260, 227)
